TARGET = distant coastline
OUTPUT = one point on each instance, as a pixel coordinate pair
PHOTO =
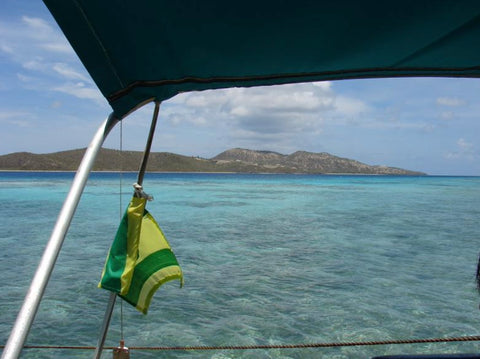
(235, 160)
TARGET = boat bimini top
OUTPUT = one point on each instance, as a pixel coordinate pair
(140, 51)
(150, 50)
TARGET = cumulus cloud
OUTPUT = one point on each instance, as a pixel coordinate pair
(271, 114)
(285, 103)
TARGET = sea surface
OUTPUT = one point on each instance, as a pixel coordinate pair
(267, 259)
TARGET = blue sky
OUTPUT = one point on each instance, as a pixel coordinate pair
(49, 103)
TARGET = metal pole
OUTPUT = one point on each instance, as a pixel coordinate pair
(39, 282)
(105, 325)
(148, 146)
(113, 296)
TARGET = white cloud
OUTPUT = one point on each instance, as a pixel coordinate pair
(450, 101)
(40, 26)
(278, 115)
(15, 118)
(199, 99)
(79, 90)
(325, 85)
(464, 150)
(60, 47)
(452, 155)
(28, 37)
(34, 64)
(46, 37)
(11, 114)
(273, 116)
(178, 119)
(66, 71)
(240, 111)
(447, 115)
(56, 104)
(25, 78)
(347, 106)
(286, 99)
(464, 145)
(43, 59)
(6, 48)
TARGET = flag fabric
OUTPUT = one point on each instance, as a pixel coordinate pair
(140, 259)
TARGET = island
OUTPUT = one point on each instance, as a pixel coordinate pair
(236, 160)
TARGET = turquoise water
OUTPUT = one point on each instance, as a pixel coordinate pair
(267, 259)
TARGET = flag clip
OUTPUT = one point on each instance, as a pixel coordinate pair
(139, 192)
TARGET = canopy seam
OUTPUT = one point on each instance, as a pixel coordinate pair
(327, 75)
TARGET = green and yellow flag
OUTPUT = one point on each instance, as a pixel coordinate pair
(140, 259)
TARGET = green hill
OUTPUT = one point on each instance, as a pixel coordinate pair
(233, 160)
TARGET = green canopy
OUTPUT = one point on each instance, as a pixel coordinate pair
(144, 50)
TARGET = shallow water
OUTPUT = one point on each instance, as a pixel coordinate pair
(267, 259)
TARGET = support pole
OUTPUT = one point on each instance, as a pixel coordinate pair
(141, 174)
(148, 146)
(105, 325)
(39, 282)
